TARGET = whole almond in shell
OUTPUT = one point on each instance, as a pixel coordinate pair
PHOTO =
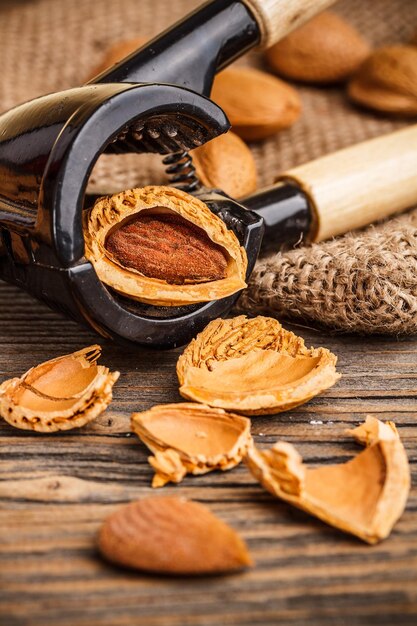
(116, 53)
(226, 163)
(324, 50)
(387, 81)
(171, 536)
(257, 104)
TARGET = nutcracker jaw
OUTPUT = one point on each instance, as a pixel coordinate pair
(48, 148)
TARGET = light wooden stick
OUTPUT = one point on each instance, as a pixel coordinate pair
(277, 18)
(361, 184)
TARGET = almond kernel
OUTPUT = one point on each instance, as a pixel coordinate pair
(171, 536)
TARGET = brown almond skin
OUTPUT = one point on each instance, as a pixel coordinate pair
(226, 163)
(324, 50)
(169, 248)
(168, 535)
(116, 53)
(387, 81)
(257, 104)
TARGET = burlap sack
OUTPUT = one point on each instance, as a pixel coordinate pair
(366, 281)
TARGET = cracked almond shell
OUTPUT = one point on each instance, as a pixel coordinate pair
(253, 366)
(364, 497)
(111, 212)
(171, 536)
(60, 394)
(191, 438)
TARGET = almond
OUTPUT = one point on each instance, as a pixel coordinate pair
(167, 247)
(387, 81)
(116, 53)
(164, 247)
(324, 50)
(171, 536)
(257, 104)
(226, 163)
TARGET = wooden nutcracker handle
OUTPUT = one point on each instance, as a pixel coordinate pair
(361, 184)
(277, 18)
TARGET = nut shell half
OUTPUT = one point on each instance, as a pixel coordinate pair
(111, 212)
(191, 438)
(60, 394)
(171, 536)
(253, 366)
(364, 497)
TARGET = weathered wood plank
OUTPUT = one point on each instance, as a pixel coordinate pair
(55, 491)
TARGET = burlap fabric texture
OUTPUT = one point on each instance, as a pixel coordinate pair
(365, 281)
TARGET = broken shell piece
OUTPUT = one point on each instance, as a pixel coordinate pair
(372, 430)
(364, 497)
(162, 246)
(253, 366)
(191, 439)
(171, 536)
(60, 394)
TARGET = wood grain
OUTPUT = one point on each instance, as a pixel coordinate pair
(366, 182)
(277, 18)
(56, 489)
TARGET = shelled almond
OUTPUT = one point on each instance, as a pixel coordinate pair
(327, 49)
(162, 246)
(171, 536)
(387, 81)
(226, 163)
(257, 104)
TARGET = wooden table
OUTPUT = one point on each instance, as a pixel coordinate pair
(57, 489)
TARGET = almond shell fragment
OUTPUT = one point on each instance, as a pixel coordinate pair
(364, 497)
(191, 438)
(111, 213)
(63, 393)
(253, 366)
(171, 536)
